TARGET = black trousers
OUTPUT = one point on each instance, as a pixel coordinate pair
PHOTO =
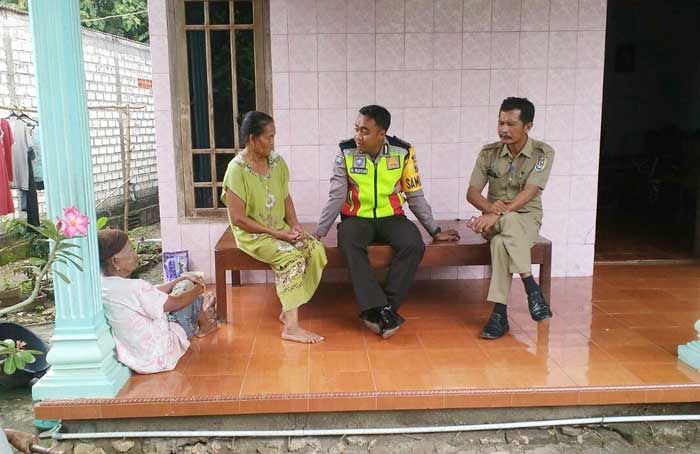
(355, 234)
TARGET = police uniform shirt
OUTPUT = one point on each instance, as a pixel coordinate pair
(338, 193)
(507, 177)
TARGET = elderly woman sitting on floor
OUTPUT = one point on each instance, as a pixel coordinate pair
(151, 326)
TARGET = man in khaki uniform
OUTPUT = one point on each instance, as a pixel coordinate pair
(516, 169)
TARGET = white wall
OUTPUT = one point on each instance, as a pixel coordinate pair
(442, 67)
(112, 65)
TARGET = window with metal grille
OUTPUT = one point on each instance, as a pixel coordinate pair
(222, 61)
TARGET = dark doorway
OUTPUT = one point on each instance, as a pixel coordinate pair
(650, 144)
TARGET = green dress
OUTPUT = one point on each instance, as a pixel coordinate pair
(298, 267)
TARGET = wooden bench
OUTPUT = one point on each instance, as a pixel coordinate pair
(471, 249)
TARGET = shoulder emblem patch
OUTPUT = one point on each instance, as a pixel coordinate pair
(392, 163)
(339, 160)
(541, 163)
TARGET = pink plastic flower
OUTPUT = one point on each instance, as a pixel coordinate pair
(73, 223)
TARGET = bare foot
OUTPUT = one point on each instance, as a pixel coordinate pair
(209, 307)
(206, 329)
(301, 335)
(209, 301)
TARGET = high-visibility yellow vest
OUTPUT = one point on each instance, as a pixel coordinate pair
(377, 189)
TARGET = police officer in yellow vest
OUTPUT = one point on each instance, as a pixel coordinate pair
(516, 169)
(374, 174)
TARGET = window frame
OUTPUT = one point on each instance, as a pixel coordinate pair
(263, 98)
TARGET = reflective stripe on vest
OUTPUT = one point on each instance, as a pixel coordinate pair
(374, 189)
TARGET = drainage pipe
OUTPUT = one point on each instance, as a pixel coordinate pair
(374, 431)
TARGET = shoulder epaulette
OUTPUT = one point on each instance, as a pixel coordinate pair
(542, 146)
(395, 141)
(347, 144)
(491, 146)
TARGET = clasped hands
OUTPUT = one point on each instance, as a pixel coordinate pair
(487, 220)
(290, 236)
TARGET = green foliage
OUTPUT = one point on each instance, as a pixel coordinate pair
(15, 356)
(129, 25)
(132, 23)
(61, 252)
(37, 246)
(38, 268)
(27, 287)
(101, 223)
(10, 226)
(22, 5)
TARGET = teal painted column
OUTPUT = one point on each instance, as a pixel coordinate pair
(690, 352)
(82, 357)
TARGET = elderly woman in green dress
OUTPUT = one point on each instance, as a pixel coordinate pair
(265, 225)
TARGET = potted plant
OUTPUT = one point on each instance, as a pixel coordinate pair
(22, 355)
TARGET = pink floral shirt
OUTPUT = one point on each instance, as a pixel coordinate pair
(147, 342)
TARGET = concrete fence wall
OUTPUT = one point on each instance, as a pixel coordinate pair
(117, 71)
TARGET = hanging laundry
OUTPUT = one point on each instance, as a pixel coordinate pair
(6, 140)
(20, 154)
(6, 149)
(38, 162)
(32, 199)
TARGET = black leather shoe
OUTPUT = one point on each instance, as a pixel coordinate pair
(496, 327)
(397, 315)
(539, 308)
(390, 322)
(371, 320)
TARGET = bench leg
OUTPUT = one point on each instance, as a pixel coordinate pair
(221, 300)
(546, 275)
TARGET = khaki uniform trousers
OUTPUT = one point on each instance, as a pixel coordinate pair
(515, 235)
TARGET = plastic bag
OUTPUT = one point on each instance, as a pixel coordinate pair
(174, 264)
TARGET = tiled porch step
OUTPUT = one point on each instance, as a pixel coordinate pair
(333, 402)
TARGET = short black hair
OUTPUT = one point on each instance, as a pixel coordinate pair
(526, 107)
(254, 122)
(379, 114)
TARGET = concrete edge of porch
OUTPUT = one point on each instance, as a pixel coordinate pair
(85, 409)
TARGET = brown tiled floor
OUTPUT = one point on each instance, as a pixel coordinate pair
(612, 340)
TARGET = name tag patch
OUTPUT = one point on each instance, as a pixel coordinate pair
(392, 163)
(358, 170)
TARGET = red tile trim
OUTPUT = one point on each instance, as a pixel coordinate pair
(267, 403)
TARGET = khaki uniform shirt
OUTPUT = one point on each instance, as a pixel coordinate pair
(507, 177)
